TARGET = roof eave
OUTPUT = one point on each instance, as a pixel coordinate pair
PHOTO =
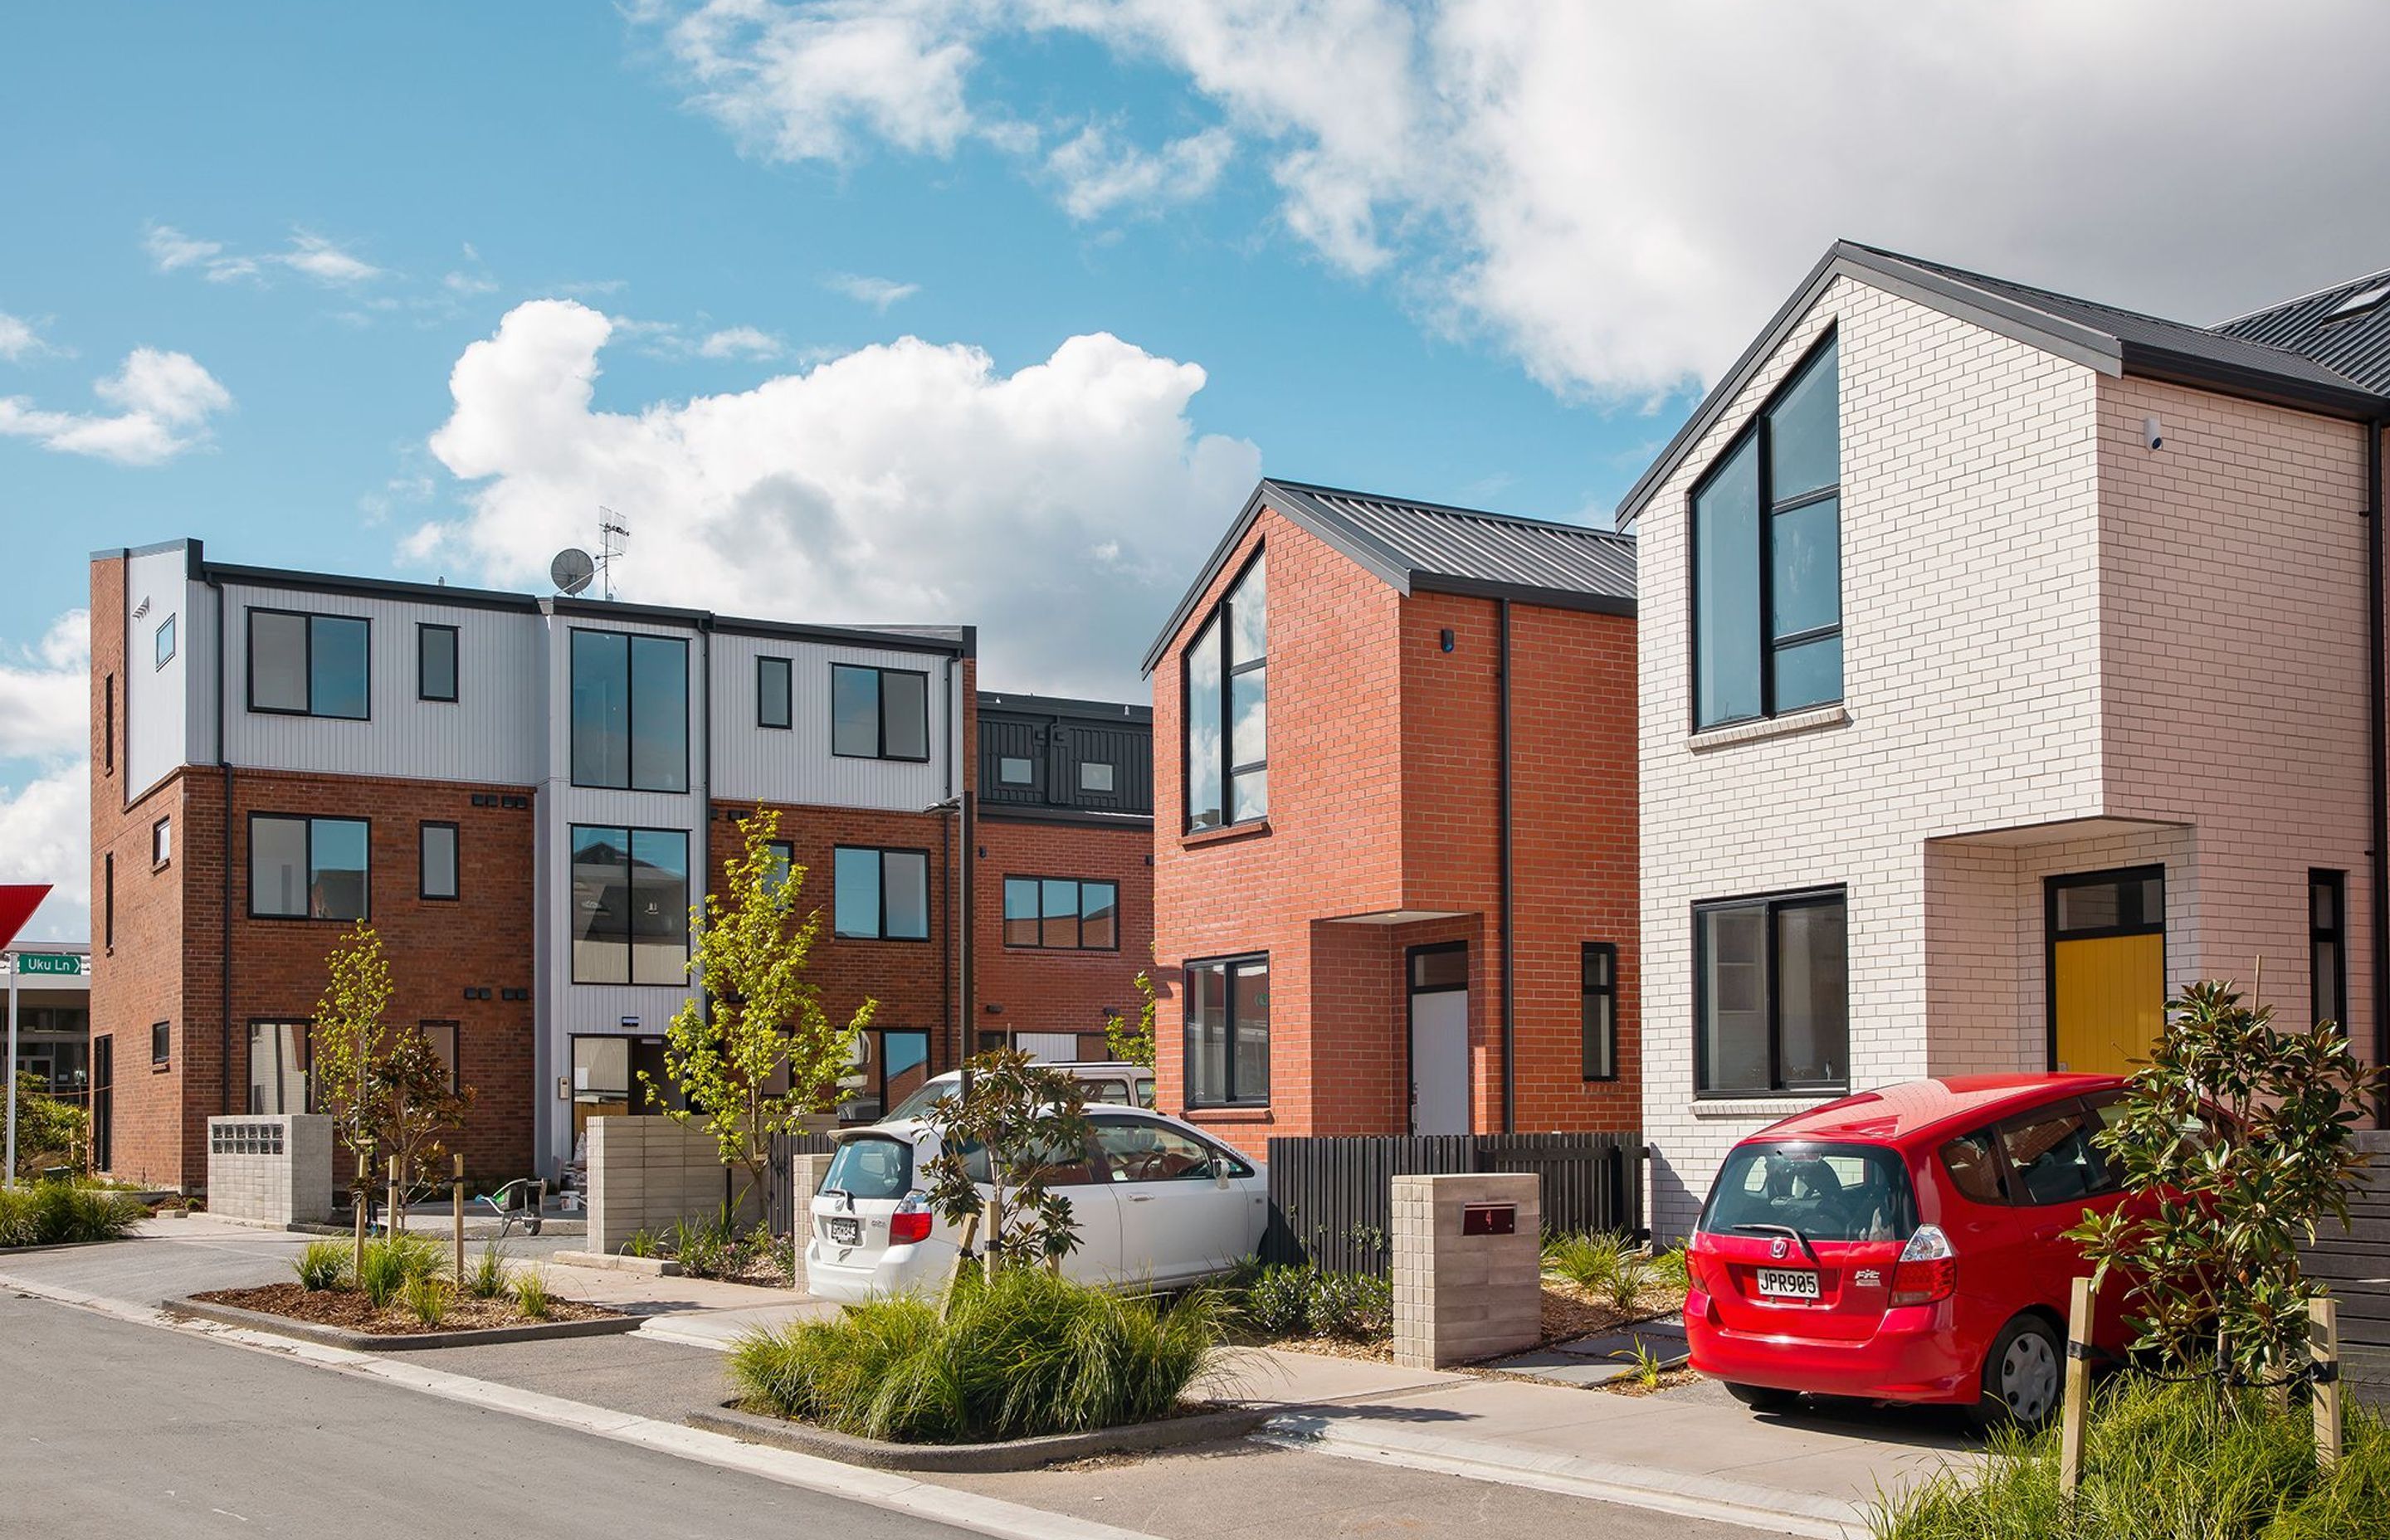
(2147, 362)
(1523, 592)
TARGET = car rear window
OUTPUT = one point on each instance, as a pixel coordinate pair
(1826, 1191)
(871, 1167)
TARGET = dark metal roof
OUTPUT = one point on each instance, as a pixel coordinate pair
(1413, 545)
(2356, 345)
(1108, 712)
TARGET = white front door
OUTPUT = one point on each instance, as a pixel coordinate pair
(1439, 1062)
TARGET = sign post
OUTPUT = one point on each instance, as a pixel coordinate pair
(18, 901)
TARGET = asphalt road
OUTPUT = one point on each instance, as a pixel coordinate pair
(108, 1429)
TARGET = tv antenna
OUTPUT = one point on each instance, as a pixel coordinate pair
(611, 535)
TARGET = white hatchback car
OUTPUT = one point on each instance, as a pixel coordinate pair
(1156, 1203)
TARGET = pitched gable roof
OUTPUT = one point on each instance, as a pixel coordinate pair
(1412, 545)
(2105, 337)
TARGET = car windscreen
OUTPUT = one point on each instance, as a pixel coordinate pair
(871, 1167)
(917, 1105)
(1825, 1191)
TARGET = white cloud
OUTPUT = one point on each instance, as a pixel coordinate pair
(311, 255)
(1098, 173)
(44, 820)
(170, 248)
(325, 261)
(906, 482)
(470, 284)
(739, 342)
(44, 700)
(164, 398)
(19, 340)
(879, 294)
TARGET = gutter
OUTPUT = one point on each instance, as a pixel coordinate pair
(1509, 949)
(2378, 720)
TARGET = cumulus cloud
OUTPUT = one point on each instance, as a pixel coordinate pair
(879, 294)
(164, 399)
(1059, 507)
(1618, 194)
(44, 816)
(1098, 174)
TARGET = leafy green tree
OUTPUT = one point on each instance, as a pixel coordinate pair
(51, 1131)
(2221, 1204)
(386, 1087)
(1134, 1044)
(1016, 1122)
(756, 1052)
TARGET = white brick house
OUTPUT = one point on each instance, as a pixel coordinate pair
(2062, 653)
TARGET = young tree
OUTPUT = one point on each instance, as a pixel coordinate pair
(1019, 1120)
(756, 1051)
(1134, 1044)
(2222, 1203)
(386, 1089)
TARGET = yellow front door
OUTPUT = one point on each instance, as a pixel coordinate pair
(2108, 994)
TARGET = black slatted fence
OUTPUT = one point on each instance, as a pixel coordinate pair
(1332, 1200)
(2355, 1263)
(779, 1195)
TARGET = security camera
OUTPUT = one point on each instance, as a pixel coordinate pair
(2151, 434)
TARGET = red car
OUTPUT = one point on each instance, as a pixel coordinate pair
(1906, 1245)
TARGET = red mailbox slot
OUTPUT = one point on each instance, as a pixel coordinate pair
(1489, 1219)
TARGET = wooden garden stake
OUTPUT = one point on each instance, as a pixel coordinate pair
(962, 1260)
(2078, 1388)
(397, 1213)
(2323, 1348)
(991, 1219)
(360, 1202)
(456, 1196)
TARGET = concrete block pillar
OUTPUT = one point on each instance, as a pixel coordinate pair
(806, 1178)
(1468, 1268)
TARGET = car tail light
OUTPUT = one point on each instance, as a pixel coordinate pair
(909, 1225)
(1928, 1270)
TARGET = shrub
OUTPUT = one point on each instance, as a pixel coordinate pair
(2160, 1462)
(59, 1214)
(531, 1296)
(1356, 1306)
(1627, 1281)
(1671, 1268)
(393, 1261)
(1025, 1354)
(1278, 1301)
(427, 1297)
(1589, 1260)
(642, 1243)
(323, 1264)
(488, 1278)
(712, 1248)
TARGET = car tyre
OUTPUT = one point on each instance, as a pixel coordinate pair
(1763, 1398)
(2024, 1378)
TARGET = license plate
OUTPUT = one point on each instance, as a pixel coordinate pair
(1786, 1283)
(846, 1232)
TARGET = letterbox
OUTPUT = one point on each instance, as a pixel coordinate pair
(1489, 1219)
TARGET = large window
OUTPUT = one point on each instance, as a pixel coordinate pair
(438, 875)
(1062, 913)
(630, 906)
(630, 712)
(1771, 996)
(880, 895)
(1768, 566)
(1228, 707)
(772, 692)
(2327, 945)
(277, 1068)
(1598, 991)
(309, 666)
(1227, 1033)
(435, 662)
(307, 868)
(878, 712)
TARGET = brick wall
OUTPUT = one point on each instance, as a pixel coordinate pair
(1042, 990)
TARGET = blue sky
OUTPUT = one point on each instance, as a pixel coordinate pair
(329, 287)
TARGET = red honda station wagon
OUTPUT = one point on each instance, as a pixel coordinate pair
(1906, 1245)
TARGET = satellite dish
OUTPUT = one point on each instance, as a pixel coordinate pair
(571, 569)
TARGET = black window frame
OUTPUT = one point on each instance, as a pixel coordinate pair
(162, 1044)
(1028, 770)
(1233, 967)
(787, 851)
(108, 726)
(1759, 433)
(1605, 991)
(572, 940)
(306, 663)
(2141, 924)
(2323, 880)
(165, 641)
(456, 1046)
(107, 902)
(423, 629)
(879, 712)
(1774, 905)
(1079, 886)
(1111, 776)
(786, 692)
(423, 861)
(929, 895)
(248, 854)
(630, 781)
(1221, 620)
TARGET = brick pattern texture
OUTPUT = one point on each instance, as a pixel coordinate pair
(1038, 989)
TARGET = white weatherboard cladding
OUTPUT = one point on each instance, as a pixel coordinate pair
(154, 700)
(490, 733)
(794, 765)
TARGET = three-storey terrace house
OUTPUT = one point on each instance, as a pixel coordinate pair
(2008, 662)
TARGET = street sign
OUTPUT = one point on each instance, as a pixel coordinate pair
(67, 963)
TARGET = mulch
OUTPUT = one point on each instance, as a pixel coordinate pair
(1569, 1313)
(349, 1310)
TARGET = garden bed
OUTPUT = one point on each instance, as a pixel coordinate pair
(1570, 1312)
(344, 1317)
(1191, 1423)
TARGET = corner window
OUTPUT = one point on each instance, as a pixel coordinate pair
(435, 662)
(1226, 699)
(1598, 990)
(165, 641)
(309, 666)
(439, 862)
(307, 868)
(160, 1042)
(1766, 541)
(630, 712)
(161, 843)
(630, 906)
(1227, 1033)
(1062, 914)
(772, 692)
(880, 895)
(878, 712)
(1771, 996)
(277, 1068)
(2327, 946)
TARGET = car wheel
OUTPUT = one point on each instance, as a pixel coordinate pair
(2024, 1376)
(1763, 1398)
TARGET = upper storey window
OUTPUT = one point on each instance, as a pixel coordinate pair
(878, 712)
(1767, 570)
(630, 712)
(1228, 707)
(308, 666)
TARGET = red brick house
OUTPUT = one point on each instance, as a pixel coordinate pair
(1394, 838)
